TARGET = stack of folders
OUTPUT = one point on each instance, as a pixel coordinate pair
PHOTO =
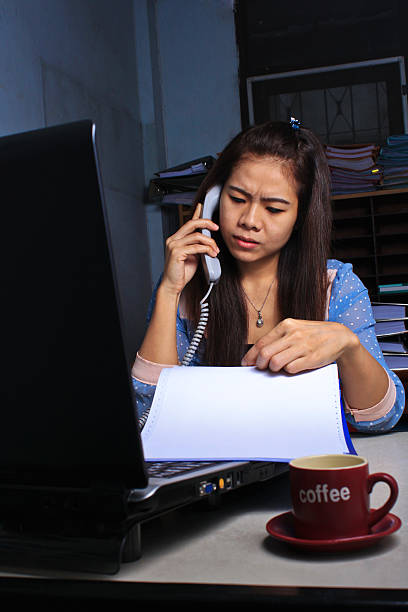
(353, 168)
(179, 184)
(392, 288)
(393, 159)
(391, 329)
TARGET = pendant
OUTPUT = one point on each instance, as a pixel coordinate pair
(259, 322)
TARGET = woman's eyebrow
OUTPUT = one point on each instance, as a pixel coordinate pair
(263, 198)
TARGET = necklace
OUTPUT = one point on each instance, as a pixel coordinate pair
(260, 320)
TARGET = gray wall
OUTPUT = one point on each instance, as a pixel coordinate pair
(188, 87)
(63, 60)
(159, 77)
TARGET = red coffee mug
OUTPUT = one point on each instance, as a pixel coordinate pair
(330, 496)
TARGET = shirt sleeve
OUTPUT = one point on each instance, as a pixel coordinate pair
(145, 374)
(350, 305)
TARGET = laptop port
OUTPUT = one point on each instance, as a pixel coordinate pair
(206, 488)
(239, 478)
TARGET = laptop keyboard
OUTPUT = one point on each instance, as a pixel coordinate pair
(166, 469)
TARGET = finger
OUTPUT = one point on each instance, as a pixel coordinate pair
(282, 359)
(249, 359)
(298, 365)
(197, 211)
(275, 340)
(195, 238)
(193, 225)
(308, 361)
(193, 249)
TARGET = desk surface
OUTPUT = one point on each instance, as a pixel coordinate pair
(230, 546)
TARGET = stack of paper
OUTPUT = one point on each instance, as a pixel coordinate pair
(241, 413)
(185, 198)
(179, 184)
(393, 288)
(391, 328)
(393, 158)
(353, 168)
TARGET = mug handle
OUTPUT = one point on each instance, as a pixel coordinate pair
(377, 514)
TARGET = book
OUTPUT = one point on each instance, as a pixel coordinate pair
(159, 187)
(194, 169)
(186, 177)
(195, 166)
(390, 327)
(397, 343)
(398, 139)
(369, 175)
(185, 198)
(353, 168)
(389, 310)
(393, 288)
(393, 157)
(396, 361)
(242, 413)
(353, 150)
(357, 163)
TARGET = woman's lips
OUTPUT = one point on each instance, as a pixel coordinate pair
(245, 243)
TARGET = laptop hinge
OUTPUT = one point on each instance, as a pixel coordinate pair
(100, 501)
(87, 529)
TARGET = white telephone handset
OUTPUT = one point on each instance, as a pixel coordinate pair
(212, 271)
(211, 265)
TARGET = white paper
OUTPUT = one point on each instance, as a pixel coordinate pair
(242, 413)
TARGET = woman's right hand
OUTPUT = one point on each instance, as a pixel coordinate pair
(183, 250)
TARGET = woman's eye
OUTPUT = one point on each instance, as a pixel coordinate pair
(238, 200)
(274, 210)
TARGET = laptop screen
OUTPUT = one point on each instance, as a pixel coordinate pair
(68, 414)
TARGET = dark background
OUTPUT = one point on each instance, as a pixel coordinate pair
(276, 37)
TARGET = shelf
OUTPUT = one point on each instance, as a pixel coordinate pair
(400, 211)
(353, 256)
(368, 216)
(370, 230)
(347, 218)
(343, 237)
(369, 194)
(395, 254)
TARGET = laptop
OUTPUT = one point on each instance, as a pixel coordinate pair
(74, 484)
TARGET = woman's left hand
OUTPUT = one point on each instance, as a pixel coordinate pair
(295, 346)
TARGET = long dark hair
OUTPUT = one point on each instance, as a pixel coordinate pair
(302, 275)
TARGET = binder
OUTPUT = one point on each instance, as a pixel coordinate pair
(186, 177)
(396, 361)
(391, 327)
(195, 166)
(385, 311)
(393, 288)
(395, 343)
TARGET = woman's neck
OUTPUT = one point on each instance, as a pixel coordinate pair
(258, 273)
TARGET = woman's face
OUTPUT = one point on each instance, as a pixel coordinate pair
(258, 210)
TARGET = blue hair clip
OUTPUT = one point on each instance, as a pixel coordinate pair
(294, 123)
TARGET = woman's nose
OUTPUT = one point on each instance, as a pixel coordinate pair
(250, 217)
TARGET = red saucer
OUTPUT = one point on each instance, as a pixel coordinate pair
(281, 528)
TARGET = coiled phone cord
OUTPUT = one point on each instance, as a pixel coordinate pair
(199, 332)
(202, 323)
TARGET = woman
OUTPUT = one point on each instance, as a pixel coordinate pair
(280, 303)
